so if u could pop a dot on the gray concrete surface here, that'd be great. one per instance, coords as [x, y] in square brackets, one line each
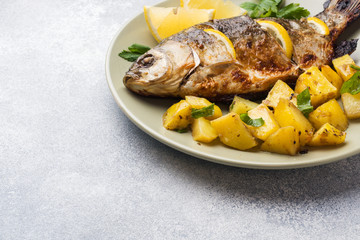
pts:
[72, 166]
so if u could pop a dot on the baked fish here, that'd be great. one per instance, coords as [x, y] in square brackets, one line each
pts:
[193, 62]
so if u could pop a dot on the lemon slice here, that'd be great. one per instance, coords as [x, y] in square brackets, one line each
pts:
[164, 22]
[280, 34]
[222, 37]
[223, 9]
[318, 25]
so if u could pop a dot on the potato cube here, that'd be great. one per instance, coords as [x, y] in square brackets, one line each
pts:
[286, 114]
[202, 130]
[321, 90]
[329, 112]
[198, 103]
[178, 116]
[279, 90]
[270, 125]
[233, 132]
[351, 105]
[242, 105]
[327, 135]
[342, 66]
[332, 77]
[284, 141]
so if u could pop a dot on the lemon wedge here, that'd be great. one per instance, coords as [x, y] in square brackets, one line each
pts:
[164, 22]
[318, 25]
[223, 38]
[280, 34]
[223, 9]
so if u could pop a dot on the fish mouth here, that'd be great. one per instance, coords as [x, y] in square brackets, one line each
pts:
[161, 70]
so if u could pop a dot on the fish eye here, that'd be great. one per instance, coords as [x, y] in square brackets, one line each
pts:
[147, 60]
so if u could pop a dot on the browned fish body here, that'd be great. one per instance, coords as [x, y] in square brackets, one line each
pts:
[194, 62]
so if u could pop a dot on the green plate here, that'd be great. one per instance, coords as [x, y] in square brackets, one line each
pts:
[146, 113]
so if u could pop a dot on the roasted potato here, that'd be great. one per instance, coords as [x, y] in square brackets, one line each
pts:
[351, 105]
[202, 130]
[327, 135]
[241, 105]
[321, 90]
[284, 141]
[329, 112]
[233, 132]
[178, 116]
[279, 90]
[333, 78]
[343, 67]
[198, 102]
[287, 114]
[270, 124]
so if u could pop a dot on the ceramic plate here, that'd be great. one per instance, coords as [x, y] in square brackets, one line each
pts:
[146, 112]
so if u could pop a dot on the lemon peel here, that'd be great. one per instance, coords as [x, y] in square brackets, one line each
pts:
[318, 25]
[280, 34]
[222, 37]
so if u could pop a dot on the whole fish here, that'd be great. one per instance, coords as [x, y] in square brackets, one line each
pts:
[193, 62]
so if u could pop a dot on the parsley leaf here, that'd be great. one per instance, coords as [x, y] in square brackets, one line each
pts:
[258, 122]
[271, 8]
[292, 11]
[352, 85]
[134, 52]
[304, 102]
[203, 112]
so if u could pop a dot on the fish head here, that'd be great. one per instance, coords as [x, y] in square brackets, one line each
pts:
[161, 70]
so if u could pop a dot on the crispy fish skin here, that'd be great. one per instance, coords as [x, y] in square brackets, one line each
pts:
[309, 47]
[194, 62]
[260, 62]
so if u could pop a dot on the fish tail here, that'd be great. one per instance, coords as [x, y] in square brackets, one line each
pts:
[338, 14]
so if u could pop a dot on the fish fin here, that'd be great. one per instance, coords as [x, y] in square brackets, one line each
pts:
[345, 47]
[338, 14]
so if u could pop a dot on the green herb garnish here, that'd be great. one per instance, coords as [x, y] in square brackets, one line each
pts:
[134, 52]
[203, 112]
[184, 130]
[304, 102]
[271, 8]
[352, 85]
[292, 11]
[258, 122]
[355, 67]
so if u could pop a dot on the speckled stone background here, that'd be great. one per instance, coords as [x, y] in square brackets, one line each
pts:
[72, 166]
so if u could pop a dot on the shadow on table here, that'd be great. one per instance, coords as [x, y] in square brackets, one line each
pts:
[295, 185]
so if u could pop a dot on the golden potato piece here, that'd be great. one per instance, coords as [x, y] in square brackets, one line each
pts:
[321, 90]
[329, 112]
[327, 135]
[178, 116]
[242, 105]
[279, 90]
[333, 78]
[202, 130]
[198, 103]
[284, 141]
[286, 114]
[233, 132]
[351, 105]
[270, 124]
[343, 67]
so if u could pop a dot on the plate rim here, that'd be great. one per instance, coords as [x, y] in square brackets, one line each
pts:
[195, 153]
